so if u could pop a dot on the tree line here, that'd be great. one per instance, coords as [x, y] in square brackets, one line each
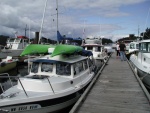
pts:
[143, 36]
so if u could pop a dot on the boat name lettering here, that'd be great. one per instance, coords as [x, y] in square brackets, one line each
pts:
[23, 108]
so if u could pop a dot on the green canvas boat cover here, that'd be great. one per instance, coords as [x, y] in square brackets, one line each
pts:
[66, 49]
[36, 49]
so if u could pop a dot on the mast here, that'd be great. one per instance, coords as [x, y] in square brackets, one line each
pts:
[25, 30]
[57, 19]
[42, 22]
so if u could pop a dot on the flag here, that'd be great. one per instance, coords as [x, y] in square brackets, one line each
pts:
[59, 37]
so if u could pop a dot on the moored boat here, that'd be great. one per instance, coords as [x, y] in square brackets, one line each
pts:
[55, 82]
[95, 46]
[7, 64]
[141, 62]
[14, 47]
[133, 48]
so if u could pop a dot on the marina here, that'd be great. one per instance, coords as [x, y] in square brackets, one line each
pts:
[113, 89]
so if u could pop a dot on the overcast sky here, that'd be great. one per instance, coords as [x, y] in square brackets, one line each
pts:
[111, 19]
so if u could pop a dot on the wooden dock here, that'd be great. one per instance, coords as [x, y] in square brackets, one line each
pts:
[116, 90]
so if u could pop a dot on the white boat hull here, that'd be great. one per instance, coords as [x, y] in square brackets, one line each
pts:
[10, 52]
[45, 106]
[142, 69]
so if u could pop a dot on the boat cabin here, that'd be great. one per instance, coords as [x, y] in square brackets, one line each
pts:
[144, 46]
[97, 50]
[16, 43]
[133, 46]
[68, 67]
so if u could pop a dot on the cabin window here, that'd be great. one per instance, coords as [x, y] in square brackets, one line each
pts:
[148, 47]
[85, 64]
[34, 68]
[89, 48]
[17, 40]
[137, 46]
[63, 69]
[11, 40]
[78, 67]
[143, 47]
[46, 67]
[99, 48]
[132, 46]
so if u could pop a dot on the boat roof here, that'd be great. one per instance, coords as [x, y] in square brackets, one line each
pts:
[60, 59]
[134, 42]
[88, 45]
[145, 40]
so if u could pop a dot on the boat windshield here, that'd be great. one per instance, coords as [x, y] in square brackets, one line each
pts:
[78, 67]
[98, 49]
[17, 40]
[145, 47]
[63, 69]
[10, 40]
[89, 48]
[137, 46]
[46, 67]
[35, 67]
[134, 46]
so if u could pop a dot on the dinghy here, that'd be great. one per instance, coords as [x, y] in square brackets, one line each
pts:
[7, 64]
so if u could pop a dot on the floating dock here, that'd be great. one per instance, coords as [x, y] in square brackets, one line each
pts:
[115, 89]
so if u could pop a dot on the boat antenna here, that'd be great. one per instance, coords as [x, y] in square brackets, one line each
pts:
[26, 30]
[42, 22]
[138, 30]
[83, 29]
[16, 34]
[29, 31]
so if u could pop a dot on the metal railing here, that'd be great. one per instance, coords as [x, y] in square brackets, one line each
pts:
[18, 78]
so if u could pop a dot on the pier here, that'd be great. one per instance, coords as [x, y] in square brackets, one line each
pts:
[115, 89]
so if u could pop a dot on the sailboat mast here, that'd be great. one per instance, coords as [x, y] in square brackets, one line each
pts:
[57, 19]
[42, 22]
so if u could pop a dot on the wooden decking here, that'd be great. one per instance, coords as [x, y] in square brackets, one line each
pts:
[116, 91]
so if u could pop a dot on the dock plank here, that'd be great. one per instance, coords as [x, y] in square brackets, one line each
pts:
[116, 91]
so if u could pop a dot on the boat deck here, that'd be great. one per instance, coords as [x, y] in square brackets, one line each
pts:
[116, 90]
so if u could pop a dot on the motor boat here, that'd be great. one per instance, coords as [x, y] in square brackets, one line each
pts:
[141, 62]
[95, 46]
[55, 81]
[133, 47]
[14, 47]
